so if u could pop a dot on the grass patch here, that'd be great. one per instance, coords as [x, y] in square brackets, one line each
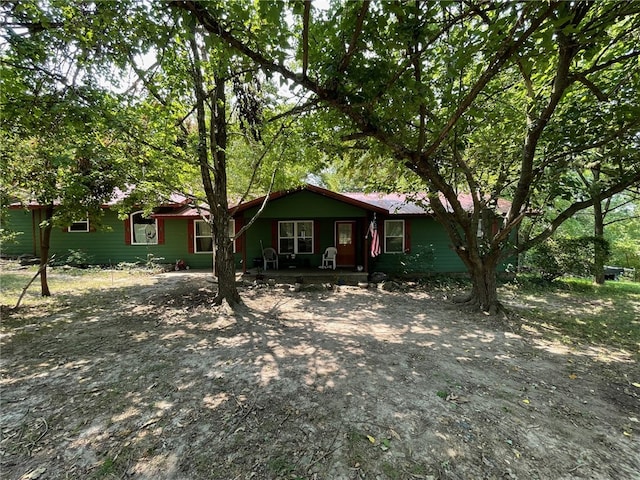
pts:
[573, 309]
[64, 282]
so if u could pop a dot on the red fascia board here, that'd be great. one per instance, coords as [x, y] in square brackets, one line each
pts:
[185, 212]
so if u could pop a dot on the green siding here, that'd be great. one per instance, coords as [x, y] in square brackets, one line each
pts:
[430, 247]
[303, 205]
[20, 221]
[430, 251]
[106, 245]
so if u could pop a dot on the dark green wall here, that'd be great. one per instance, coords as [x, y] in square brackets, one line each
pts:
[106, 245]
[20, 221]
[303, 205]
[430, 249]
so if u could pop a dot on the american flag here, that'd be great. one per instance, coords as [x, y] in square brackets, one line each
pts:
[375, 239]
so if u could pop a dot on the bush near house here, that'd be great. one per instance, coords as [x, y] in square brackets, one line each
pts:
[565, 256]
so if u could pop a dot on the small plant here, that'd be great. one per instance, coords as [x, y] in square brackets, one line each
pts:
[76, 258]
[281, 466]
[106, 469]
[152, 262]
[419, 260]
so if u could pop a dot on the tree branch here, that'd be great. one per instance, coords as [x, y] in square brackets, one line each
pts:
[613, 61]
[507, 50]
[566, 52]
[625, 219]
[362, 13]
[576, 207]
[592, 87]
[305, 37]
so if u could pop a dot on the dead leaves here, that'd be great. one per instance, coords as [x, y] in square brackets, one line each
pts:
[453, 398]
[34, 474]
[384, 443]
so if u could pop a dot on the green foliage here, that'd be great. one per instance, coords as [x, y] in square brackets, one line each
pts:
[557, 257]
[74, 258]
[499, 100]
[151, 262]
[621, 228]
[8, 236]
[58, 145]
[419, 260]
[624, 237]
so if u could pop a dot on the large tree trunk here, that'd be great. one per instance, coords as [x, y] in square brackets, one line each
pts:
[225, 265]
[214, 174]
[225, 268]
[484, 290]
[44, 251]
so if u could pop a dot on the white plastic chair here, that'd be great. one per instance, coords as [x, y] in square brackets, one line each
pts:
[329, 258]
[270, 256]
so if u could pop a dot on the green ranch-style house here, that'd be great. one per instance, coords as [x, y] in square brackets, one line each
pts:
[299, 224]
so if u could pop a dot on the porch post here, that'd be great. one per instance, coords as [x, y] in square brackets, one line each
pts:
[365, 251]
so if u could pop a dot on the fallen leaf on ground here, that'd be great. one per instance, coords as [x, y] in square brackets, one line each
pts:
[34, 474]
[456, 399]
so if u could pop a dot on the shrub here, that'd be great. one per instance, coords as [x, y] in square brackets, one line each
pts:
[74, 258]
[566, 256]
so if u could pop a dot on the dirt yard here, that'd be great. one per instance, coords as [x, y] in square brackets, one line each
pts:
[143, 378]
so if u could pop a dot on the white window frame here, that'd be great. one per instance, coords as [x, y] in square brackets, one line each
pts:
[84, 222]
[196, 236]
[154, 239]
[296, 237]
[387, 236]
[231, 233]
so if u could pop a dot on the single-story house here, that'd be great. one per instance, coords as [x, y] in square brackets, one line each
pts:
[299, 224]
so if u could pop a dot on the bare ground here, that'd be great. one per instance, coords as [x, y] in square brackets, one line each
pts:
[145, 379]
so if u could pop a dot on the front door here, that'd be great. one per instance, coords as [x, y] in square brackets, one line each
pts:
[345, 242]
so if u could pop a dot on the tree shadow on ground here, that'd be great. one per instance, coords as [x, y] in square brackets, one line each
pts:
[156, 382]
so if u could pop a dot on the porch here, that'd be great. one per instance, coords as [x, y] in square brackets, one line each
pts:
[339, 276]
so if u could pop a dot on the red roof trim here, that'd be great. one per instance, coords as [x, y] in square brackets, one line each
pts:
[397, 205]
[184, 212]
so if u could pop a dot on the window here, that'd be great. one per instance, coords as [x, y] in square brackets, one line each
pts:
[203, 235]
[232, 232]
[80, 226]
[393, 236]
[144, 231]
[295, 237]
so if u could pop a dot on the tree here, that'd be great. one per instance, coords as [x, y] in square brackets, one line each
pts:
[609, 229]
[173, 118]
[475, 96]
[57, 149]
[198, 100]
